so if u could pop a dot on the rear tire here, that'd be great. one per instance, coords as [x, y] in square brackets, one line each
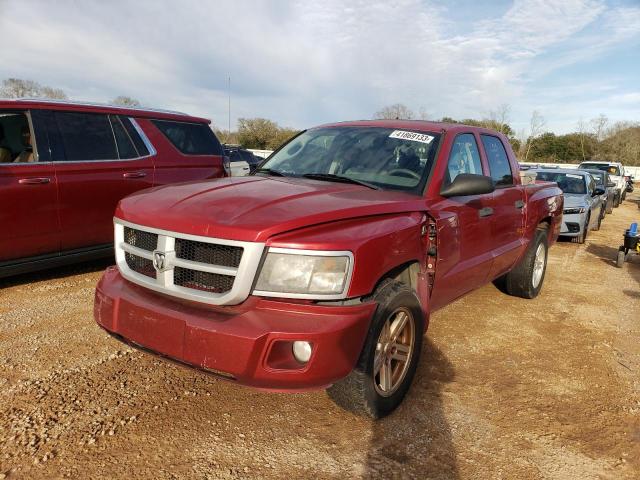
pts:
[364, 392]
[600, 216]
[526, 278]
[609, 206]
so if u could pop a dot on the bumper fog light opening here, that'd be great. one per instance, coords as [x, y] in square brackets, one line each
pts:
[302, 351]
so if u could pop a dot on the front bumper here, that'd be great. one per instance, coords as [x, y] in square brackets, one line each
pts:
[249, 343]
[572, 224]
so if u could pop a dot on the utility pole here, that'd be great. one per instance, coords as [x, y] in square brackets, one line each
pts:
[229, 91]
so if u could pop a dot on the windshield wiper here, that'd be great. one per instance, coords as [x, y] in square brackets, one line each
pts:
[269, 171]
[330, 177]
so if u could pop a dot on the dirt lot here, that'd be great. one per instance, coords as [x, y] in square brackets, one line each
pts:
[507, 388]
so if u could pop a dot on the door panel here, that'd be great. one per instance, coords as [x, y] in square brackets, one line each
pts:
[91, 177]
[28, 199]
[464, 247]
[28, 211]
[508, 203]
[507, 228]
[89, 193]
[464, 229]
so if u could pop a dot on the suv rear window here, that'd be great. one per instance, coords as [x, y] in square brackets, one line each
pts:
[605, 167]
[190, 138]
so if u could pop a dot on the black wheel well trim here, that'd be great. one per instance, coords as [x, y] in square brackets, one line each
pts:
[407, 270]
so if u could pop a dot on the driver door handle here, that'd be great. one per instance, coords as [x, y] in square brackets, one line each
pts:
[519, 204]
[34, 180]
[134, 174]
[485, 212]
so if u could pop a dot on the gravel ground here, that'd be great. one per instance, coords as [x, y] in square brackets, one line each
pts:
[506, 388]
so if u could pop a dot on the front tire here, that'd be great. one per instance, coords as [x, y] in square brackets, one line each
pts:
[526, 278]
[389, 357]
[585, 231]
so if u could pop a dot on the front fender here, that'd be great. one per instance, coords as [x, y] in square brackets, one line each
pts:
[379, 244]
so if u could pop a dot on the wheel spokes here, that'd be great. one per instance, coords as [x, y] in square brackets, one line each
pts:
[401, 352]
[385, 376]
[398, 325]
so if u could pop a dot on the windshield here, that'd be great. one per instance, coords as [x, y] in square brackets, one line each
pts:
[598, 177]
[568, 182]
[385, 158]
[605, 167]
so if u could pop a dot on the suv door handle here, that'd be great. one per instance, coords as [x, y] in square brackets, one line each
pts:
[34, 180]
[485, 212]
[134, 174]
[519, 204]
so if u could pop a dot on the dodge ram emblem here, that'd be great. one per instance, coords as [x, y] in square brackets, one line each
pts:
[159, 261]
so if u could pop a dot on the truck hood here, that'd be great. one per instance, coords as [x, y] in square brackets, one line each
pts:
[255, 208]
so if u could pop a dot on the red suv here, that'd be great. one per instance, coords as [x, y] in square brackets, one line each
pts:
[64, 166]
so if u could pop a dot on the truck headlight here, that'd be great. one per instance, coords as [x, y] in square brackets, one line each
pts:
[305, 274]
[571, 211]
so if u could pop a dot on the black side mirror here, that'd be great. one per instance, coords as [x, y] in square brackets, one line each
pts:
[598, 191]
[468, 184]
[611, 184]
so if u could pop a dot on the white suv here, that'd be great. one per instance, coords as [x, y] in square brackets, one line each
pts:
[616, 175]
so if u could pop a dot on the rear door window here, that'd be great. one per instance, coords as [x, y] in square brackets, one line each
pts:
[134, 135]
[190, 138]
[498, 161]
[126, 148]
[85, 137]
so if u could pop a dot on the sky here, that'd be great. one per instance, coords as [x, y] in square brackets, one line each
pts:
[303, 63]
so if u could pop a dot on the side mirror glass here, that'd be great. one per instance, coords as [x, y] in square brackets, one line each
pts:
[598, 191]
[468, 184]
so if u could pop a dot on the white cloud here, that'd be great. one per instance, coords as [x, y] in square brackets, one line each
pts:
[302, 63]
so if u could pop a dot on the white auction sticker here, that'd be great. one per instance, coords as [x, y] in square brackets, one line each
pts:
[413, 136]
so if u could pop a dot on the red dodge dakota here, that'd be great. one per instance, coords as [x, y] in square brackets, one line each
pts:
[321, 269]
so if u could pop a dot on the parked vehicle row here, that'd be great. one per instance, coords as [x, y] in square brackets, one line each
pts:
[591, 191]
[64, 166]
[584, 201]
[616, 173]
[241, 161]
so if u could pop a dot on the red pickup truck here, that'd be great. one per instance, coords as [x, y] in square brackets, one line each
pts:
[322, 268]
[65, 165]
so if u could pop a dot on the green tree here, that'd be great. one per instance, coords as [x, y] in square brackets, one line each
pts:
[262, 134]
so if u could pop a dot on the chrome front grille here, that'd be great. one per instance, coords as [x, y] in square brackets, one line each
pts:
[209, 270]
[205, 281]
[212, 253]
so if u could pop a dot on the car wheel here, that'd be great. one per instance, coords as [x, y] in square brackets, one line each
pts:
[389, 357]
[609, 206]
[597, 227]
[620, 259]
[624, 195]
[616, 201]
[526, 278]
